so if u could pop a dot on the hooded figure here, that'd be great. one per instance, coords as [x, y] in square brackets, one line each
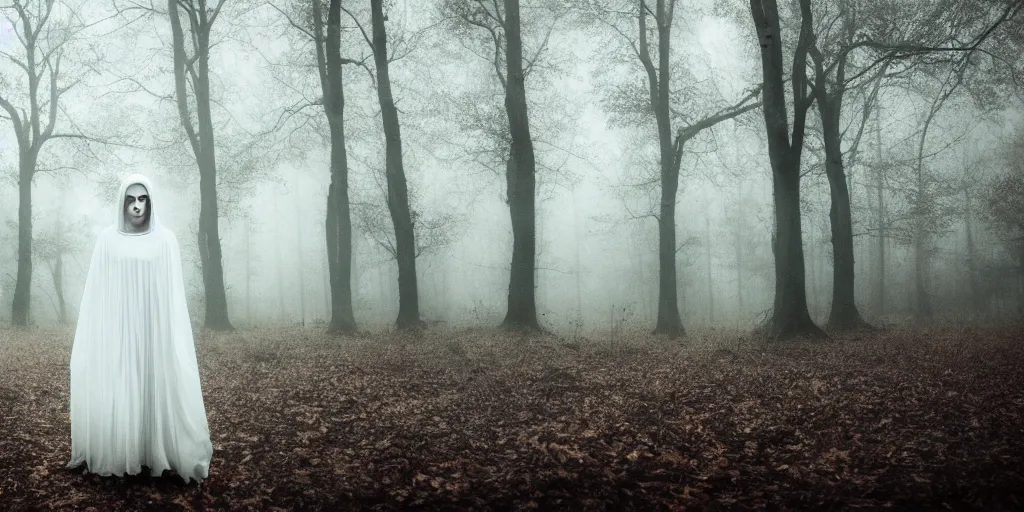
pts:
[135, 393]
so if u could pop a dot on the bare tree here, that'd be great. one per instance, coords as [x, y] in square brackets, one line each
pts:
[46, 34]
[790, 316]
[319, 25]
[522, 306]
[339, 216]
[515, 140]
[398, 194]
[192, 73]
[830, 88]
[676, 126]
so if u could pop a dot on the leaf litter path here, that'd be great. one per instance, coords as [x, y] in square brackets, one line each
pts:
[481, 420]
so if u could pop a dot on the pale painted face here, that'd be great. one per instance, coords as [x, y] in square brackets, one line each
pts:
[136, 208]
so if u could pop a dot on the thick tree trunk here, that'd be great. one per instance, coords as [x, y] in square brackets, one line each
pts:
[398, 195]
[22, 287]
[790, 316]
[210, 253]
[522, 307]
[339, 218]
[669, 321]
[339, 238]
[844, 314]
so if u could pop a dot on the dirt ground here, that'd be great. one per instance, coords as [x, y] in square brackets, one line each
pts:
[900, 420]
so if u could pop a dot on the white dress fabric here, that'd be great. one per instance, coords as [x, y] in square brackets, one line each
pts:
[136, 398]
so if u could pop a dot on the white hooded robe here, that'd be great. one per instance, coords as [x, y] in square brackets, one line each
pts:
[135, 392]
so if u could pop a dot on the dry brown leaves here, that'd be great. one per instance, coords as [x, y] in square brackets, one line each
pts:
[484, 420]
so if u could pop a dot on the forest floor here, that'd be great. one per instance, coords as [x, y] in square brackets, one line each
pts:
[900, 420]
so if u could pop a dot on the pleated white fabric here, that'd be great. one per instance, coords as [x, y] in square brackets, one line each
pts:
[136, 398]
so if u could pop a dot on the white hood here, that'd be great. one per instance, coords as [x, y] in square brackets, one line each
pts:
[119, 203]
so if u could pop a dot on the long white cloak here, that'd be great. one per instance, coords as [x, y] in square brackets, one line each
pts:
[136, 398]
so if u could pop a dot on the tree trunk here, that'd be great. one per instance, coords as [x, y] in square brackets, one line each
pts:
[248, 274]
[210, 253]
[539, 251]
[737, 244]
[790, 316]
[881, 215]
[299, 253]
[972, 264]
[844, 314]
[711, 290]
[58, 285]
[58, 273]
[279, 263]
[669, 321]
[202, 142]
[671, 151]
[338, 222]
[812, 273]
[924, 307]
[23, 285]
[398, 195]
[522, 307]
[577, 230]
[1020, 282]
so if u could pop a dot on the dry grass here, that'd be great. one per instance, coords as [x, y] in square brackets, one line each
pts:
[487, 420]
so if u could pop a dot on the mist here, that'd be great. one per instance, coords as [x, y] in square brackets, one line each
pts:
[596, 148]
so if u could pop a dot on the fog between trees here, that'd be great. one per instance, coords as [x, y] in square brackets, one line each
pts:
[550, 142]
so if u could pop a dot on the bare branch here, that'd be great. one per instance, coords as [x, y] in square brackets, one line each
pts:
[292, 22]
[360, 26]
[497, 46]
[543, 45]
[179, 76]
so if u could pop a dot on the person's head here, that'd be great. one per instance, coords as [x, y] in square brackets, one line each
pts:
[137, 208]
[134, 206]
